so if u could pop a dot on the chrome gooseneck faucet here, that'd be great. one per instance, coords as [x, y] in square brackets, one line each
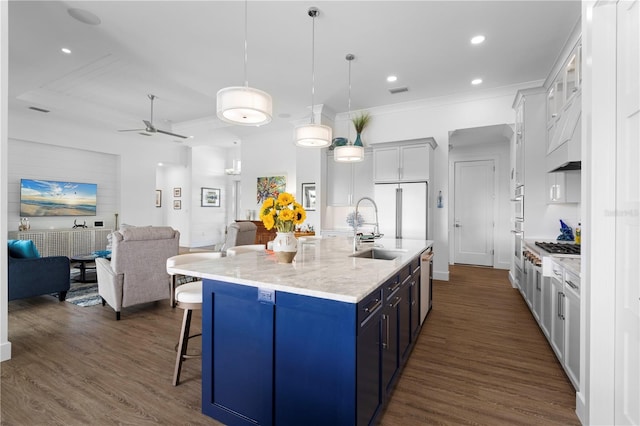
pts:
[357, 238]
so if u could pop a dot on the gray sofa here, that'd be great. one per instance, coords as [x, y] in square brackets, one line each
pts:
[137, 272]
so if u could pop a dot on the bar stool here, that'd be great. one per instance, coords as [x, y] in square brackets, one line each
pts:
[188, 297]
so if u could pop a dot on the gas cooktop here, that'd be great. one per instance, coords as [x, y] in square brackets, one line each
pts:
[559, 248]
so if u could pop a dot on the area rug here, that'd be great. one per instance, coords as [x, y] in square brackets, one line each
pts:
[83, 294]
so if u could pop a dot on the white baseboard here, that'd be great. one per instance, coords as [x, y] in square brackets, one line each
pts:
[5, 351]
[442, 276]
[581, 408]
[512, 280]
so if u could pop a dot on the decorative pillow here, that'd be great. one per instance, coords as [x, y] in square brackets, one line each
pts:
[23, 249]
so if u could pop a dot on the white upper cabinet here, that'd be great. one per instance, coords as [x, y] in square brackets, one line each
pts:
[563, 187]
[348, 182]
[564, 87]
[408, 162]
[563, 102]
[518, 164]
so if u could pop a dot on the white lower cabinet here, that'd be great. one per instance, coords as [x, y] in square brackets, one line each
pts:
[555, 304]
[536, 288]
[546, 307]
[572, 327]
[557, 320]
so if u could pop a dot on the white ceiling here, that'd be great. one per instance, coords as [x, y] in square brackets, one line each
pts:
[185, 51]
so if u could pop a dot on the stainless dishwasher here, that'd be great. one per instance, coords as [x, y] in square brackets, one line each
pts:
[426, 283]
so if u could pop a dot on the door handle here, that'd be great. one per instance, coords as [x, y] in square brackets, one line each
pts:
[457, 225]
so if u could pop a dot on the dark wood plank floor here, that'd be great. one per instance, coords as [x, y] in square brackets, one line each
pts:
[480, 359]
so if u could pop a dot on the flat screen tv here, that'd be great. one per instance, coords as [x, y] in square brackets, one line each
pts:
[53, 198]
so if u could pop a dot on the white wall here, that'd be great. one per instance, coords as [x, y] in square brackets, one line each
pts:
[268, 154]
[207, 170]
[5, 345]
[32, 160]
[309, 170]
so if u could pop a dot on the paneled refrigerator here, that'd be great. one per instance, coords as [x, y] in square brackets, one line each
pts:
[403, 209]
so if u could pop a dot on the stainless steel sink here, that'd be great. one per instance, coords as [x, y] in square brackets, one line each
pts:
[378, 253]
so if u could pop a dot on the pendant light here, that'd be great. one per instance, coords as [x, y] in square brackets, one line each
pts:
[349, 153]
[313, 135]
[244, 105]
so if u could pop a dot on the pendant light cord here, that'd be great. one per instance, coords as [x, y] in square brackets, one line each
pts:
[246, 80]
[349, 58]
[313, 71]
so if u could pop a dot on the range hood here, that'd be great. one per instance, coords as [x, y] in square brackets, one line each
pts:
[571, 165]
[565, 144]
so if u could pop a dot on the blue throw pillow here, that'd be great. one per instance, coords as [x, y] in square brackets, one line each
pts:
[23, 249]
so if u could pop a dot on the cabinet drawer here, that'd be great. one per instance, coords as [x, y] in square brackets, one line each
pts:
[556, 270]
[572, 281]
[369, 306]
[391, 286]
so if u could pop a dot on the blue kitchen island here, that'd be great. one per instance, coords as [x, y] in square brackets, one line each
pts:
[320, 341]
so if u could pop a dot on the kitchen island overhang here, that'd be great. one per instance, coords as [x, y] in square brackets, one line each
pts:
[302, 343]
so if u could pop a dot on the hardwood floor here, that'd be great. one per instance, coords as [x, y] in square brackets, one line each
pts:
[480, 359]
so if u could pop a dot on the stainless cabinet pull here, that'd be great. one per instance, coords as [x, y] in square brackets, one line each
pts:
[572, 285]
[558, 307]
[562, 306]
[375, 305]
[398, 299]
[394, 288]
[385, 343]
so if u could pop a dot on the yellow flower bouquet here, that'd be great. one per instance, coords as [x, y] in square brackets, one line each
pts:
[284, 213]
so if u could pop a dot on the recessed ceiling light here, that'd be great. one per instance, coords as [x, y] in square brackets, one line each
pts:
[66, 51]
[478, 39]
[392, 78]
[476, 81]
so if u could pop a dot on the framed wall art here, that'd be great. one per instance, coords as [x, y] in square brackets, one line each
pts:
[177, 204]
[270, 187]
[177, 192]
[210, 197]
[309, 196]
[158, 198]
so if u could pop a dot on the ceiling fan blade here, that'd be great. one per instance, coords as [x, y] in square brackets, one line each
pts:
[150, 127]
[170, 134]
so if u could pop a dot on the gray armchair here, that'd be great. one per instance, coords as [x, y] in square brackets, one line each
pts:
[137, 271]
[240, 234]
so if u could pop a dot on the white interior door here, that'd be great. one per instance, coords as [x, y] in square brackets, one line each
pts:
[473, 212]
[627, 335]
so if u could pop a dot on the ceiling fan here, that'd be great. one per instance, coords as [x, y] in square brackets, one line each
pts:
[150, 128]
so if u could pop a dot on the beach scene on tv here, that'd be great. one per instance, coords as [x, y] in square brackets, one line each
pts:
[53, 198]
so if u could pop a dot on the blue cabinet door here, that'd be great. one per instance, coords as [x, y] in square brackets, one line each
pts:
[404, 319]
[237, 355]
[369, 397]
[315, 361]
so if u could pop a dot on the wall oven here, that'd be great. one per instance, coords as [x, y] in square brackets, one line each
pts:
[518, 204]
[518, 247]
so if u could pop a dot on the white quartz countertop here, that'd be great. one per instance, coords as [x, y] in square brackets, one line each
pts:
[570, 262]
[322, 268]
